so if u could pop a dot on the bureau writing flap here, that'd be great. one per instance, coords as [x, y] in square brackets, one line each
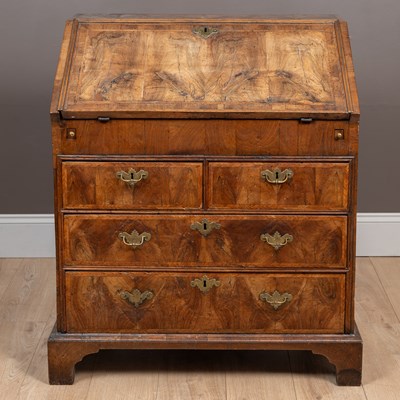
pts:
[127, 67]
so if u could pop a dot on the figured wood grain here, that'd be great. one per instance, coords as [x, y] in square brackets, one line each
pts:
[175, 97]
[314, 186]
[251, 67]
[177, 306]
[93, 240]
[208, 137]
[94, 185]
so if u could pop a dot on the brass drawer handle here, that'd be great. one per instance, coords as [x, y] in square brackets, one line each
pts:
[277, 176]
[132, 177]
[205, 226]
[277, 240]
[134, 239]
[135, 296]
[204, 284]
[275, 299]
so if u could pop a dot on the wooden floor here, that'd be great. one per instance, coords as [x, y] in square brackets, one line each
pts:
[27, 315]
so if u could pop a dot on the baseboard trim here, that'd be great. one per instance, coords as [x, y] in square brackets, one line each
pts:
[378, 234]
[27, 235]
[32, 235]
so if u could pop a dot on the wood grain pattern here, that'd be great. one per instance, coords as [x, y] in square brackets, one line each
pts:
[176, 306]
[93, 240]
[314, 186]
[258, 92]
[207, 137]
[259, 67]
[94, 185]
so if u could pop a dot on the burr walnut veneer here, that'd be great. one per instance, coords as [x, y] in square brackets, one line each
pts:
[205, 187]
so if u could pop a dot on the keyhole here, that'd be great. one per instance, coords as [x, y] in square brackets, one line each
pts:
[131, 175]
[204, 283]
[276, 175]
[205, 226]
[205, 29]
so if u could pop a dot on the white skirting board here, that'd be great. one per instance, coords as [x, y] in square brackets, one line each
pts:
[26, 235]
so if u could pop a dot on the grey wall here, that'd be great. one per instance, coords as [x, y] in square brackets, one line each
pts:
[30, 37]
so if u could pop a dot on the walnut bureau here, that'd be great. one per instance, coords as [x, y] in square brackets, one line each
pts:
[205, 187]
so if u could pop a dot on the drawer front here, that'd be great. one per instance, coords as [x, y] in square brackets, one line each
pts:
[132, 185]
[279, 186]
[205, 240]
[182, 302]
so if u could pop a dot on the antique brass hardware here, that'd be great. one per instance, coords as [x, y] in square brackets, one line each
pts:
[276, 175]
[134, 239]
[276, 240]
[132, 177]
[276, 299]
[136, 297]
[205, 226]
[204, 284]
[205, 31]
[71, 133]
[339, 134]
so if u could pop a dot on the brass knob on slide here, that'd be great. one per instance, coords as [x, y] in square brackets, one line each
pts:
[132, 177]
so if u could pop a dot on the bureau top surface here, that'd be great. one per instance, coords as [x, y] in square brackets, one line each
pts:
[205, 67]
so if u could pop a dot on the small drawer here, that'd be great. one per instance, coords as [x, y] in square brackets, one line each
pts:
[289, 186]
[132, 185]
[199, 303]
[193, 241]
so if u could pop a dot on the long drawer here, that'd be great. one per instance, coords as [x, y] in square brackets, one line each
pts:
[194, 302]
[298, 186]
[193, 241]
[132, 185]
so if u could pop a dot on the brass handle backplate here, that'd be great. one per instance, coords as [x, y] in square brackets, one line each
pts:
[204, 284]
[205, 226]
[205, 31]
[275, 299]
[132, 177]
[277, 176]
[277, 240]
[135, 296]
[134, 239]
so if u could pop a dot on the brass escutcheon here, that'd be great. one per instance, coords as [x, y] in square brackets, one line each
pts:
[276, 176]
[134, 239]
[205, 31]
[277, 240]
[205, 226]
[132, 177]
[135, 296]
[275, 299]
[204, 284]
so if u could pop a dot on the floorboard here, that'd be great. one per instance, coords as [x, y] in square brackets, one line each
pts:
[27, 314]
